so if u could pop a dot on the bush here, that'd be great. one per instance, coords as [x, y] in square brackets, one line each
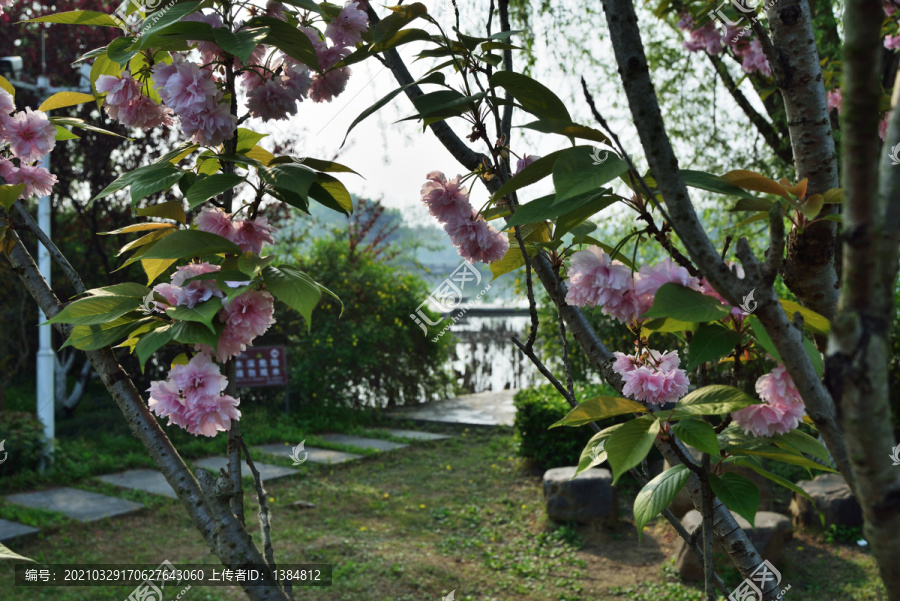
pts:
[538, 408]
[23, 434]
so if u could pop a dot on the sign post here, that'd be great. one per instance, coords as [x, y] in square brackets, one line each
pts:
[262, 366]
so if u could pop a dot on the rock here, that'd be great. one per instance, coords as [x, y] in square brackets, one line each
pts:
[832, 497]
[588, 498]
[303, 505]
[769, 536]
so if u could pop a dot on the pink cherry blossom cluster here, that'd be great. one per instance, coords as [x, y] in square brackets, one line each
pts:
[834, 99]
[596, 280]
[782, 408]
[249, 234]
[26, 136]
[475, 238]
[192, 398]
[126, 103]
[710, 39]
[652, 377]
[5, 4]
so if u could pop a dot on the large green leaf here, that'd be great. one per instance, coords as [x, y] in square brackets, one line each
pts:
[286, 38]
[330, 192]
[599, 408]
[737, 493]
[152, 341]
[202, 313]
[167, 210]
[241, 43]
[546, 207]
[536, 98]
[812, 321]
[182, 244]
[96, 310]
[533, 173]
[64, 99]
[801, 442]
[785, 457]
[685, 304]
[658, 494]
[161, 19]
[713, 183]
[127, 179]
[759, 332]
[629, 444]
[292, 177]
[131, 289]
[576, 173]
[710, 342]
[401, 16]
[294, 288]
[98, 336]
[211, 186]
[743, 461]
[697, 433]
[569, 129]
[78, 17]
[191, 332]
[9, 194]
[714, 400]
[155, 181]
[592, 455]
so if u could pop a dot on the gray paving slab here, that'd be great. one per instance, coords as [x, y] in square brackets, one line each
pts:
[363, 443]
[150, 481]
[77, 504]
[492, 408]
[414, 434]
[14, 531]
[266, 471]
[314, 455]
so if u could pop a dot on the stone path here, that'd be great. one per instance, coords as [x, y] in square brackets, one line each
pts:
[314, 455]
[482, 409]
[87, 506]
[77, 504]
[363, 443]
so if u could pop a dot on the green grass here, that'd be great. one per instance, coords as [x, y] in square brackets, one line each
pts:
[401, 526]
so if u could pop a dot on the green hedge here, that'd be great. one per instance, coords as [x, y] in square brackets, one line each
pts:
[23, 437]
[538, 408]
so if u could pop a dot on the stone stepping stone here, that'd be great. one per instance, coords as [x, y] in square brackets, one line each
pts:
[313, 455]
[77, 504]
[267, 471]
[150, 481]
[414, 435]
[363, 443]
[13, 531]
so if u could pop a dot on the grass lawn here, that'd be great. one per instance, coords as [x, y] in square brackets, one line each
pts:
[462, 514]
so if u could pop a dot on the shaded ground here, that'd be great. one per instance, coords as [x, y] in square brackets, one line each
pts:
[459, 514]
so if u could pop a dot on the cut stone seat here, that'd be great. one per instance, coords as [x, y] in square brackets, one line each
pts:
[414, 434]
[832, 497]
[769, 537]
[16, 532]
[314, 455]
[363, 443]
[77, 504]
[587, 498]
[266, 471]
[150, 481]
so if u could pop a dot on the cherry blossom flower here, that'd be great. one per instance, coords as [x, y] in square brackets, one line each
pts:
[653, 377]
[782, 408]
[119, 92]
[207, 416]
[597, 281]
[753, 60]
[272, 100]
[252, 234]
[651, 277]
[446, 200]
[211, 127]
[705, 38]
[883, 126]
[525, 161]
[143, 113]
[346, 29]
[191, 293]
[185, 88]
[476, 240]
[685, 22]
[209, 51]
[296, 78]
[200, 377]
[38, 181]
[7, 106]
[215, 221]
[5, 4]
[245, 317]
[166, 401]
[30, 135]
[892, 42]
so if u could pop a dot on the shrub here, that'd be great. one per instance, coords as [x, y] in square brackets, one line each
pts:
[23, 434]
[538, 408]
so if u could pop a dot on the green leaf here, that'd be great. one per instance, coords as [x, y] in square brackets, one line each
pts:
[401, 16]
[759, 332]
[96, 310]
[699, 434]
[684, 304]
[812, 321]
[294, 288]
[152, 341]
[713, 183]
[161, 19]
[629, 444]
[567, 128]
[241, 43]
[786, 457]
[442, 104]
[210, 187]
[191, 332]
[576, 221]
[10, 193]
[166, 210]
[599, 408]
[64, 99]
[801, 442]
[714, 400]
[667, 324]
[251, 263]
[120, 50]
[533, 173]
[6, 554]
[658, 494]
[546, 207]
[737, 493]
[63, 134]
[814, 356]
[323, 165]
[190, 243]
[534, 97]
[575, 173]
[292, 177]
[80, 124]
[286, 38]
[743, 461]
[201, 313]
[759, 205]
[126, 179]
[247, 139]
[710, 343]
[512, 260]
[592, 455]
[78, 17]
[404, 36]
[95, 337]
[155, 181]
[129, 289]
[330, 192]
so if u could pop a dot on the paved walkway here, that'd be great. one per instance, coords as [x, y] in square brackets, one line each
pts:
[87, 506]
[482, 409]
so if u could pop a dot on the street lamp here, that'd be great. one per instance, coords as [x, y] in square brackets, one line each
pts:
[11, 67]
